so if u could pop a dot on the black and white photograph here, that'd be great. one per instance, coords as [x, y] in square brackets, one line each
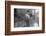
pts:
[26, 17]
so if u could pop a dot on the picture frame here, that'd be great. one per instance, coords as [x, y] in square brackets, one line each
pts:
[10, 17]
